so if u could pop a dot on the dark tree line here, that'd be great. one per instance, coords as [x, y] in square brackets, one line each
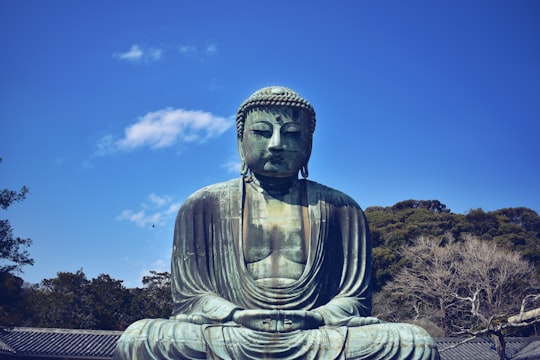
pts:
[72, 301]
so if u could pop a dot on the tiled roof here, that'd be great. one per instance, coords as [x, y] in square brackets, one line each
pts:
[482, 348]
[75, 344]
[100, 344]
[531, 351]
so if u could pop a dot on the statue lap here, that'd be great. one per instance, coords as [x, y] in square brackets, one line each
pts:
[173, 339]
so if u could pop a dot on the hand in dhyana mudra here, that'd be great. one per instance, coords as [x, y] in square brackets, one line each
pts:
[278, 320]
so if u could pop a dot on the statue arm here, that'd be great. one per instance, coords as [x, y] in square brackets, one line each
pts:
[196, 284]
[344, 312]
[206, 309]
[351, 304]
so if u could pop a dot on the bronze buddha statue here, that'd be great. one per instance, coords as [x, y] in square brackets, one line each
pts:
[270, 266]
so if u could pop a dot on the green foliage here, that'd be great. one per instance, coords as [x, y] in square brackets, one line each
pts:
[11, 294]
[395, 227]
[109, 301]
[66, 302]
[155, 299]
[72, 301]
[13, 256]
[7, 197]
[13, 250]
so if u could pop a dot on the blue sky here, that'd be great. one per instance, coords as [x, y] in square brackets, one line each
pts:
[113, 112]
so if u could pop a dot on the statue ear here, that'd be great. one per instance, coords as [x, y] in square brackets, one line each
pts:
[243, 166]
[240, 151]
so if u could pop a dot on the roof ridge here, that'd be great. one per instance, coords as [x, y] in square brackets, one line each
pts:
[66, 331]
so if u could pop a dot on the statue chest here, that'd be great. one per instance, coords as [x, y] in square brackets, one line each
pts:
[275, 245]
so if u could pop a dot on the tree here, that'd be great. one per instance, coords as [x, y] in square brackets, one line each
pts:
[11, 295]
[426, 286]
[65, 302]
[72, 301]
[109, 303]
[155, 299]
[469, 286]
[13, 256]
[13, 250]
[395, 227]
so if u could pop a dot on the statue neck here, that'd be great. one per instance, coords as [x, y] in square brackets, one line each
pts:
[275, 185]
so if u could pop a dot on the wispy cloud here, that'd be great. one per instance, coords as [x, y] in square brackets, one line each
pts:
[142, 268]
[161, 265]
[201, 53]
[188, 50]
[139, 54]
[165, 128]
[142, 54]
[155, 212]
[211, 49]
[232, 166]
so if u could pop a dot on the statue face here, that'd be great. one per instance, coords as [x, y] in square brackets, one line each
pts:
[276, 141]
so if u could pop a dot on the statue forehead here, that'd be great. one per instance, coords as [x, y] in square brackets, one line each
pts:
[275, 112]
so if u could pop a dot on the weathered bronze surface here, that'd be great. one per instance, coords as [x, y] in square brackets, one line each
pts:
[270, 266]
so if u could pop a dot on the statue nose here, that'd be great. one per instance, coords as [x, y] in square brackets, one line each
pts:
[276, 142]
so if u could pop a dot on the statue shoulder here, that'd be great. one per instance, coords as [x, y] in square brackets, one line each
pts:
[214, 192]
[330, 195]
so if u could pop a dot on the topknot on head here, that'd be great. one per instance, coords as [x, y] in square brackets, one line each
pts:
[273, 96]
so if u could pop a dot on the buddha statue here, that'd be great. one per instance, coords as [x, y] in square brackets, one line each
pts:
[270, 266]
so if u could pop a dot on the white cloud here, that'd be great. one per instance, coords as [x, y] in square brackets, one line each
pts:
[211, 49]
[159, 200]
[154, 54]
[105, 146]
[140, 218]
[232, 166]
[188, 50]
[199, 53]
[165, 128]
[142, 54]
[138, 54]
[160, 209]
[160, 265]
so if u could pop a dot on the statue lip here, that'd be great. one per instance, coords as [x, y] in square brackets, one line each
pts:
[274, 157]
[280, 155]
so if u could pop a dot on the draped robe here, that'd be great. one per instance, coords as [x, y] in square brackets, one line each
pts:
[210, 280]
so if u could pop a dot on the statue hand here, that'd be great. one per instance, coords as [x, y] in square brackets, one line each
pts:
[292, 320]
[362, 321]
[194, 319]
[260, 320]
[278, 320]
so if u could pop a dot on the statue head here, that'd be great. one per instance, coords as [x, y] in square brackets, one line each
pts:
[275, 130]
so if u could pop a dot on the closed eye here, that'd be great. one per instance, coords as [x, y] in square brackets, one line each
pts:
[292, 131]
[262, 128]
[263, 133]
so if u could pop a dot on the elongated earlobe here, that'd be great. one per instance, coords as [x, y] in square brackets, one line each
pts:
[304, 171]
[244, 168]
